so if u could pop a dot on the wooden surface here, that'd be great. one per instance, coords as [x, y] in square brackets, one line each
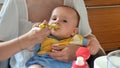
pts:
[105, 24]
[102, 2]
[104, 17]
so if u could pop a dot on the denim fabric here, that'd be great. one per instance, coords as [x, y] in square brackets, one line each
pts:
[47, 62]
[4, 64]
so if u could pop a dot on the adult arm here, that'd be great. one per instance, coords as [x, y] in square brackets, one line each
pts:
[26, 41]
[94, 45]
[68, 53]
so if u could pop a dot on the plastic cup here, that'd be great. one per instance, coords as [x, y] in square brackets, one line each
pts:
[113, 59]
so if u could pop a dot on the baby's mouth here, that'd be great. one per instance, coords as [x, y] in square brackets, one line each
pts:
[53, 26]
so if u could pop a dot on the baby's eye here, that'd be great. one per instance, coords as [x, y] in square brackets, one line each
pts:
[65, 21]
[54, 18]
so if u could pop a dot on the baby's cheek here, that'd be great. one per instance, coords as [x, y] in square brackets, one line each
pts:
[68, 34]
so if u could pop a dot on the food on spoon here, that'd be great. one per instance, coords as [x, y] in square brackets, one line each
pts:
[54, 26]
[43, 25]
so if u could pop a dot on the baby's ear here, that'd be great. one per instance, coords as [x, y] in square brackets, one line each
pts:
[75, 31]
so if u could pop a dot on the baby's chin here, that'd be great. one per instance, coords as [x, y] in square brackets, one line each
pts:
[59, 35]
[55, 33]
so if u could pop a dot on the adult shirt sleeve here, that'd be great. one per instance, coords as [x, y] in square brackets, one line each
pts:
[84, 27]
[8, 20]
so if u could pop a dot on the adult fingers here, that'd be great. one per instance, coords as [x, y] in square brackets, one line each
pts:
[94, 46]
[58, 48]
[57, 55]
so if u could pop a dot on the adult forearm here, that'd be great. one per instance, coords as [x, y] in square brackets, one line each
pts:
[94, 45]
[26, 41]
[9, 48]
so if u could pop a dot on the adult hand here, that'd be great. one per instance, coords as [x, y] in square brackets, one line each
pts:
[93, 45]
[64, 53]
[26, 41]
[34, 36]
[68, 53]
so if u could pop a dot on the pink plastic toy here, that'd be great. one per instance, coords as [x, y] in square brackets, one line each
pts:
[82, 54]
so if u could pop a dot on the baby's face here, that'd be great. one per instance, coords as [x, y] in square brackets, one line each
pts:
[66, 19]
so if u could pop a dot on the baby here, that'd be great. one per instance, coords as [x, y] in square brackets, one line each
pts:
[66, 21]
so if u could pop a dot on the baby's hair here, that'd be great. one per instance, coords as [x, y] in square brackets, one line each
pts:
[78, 16]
